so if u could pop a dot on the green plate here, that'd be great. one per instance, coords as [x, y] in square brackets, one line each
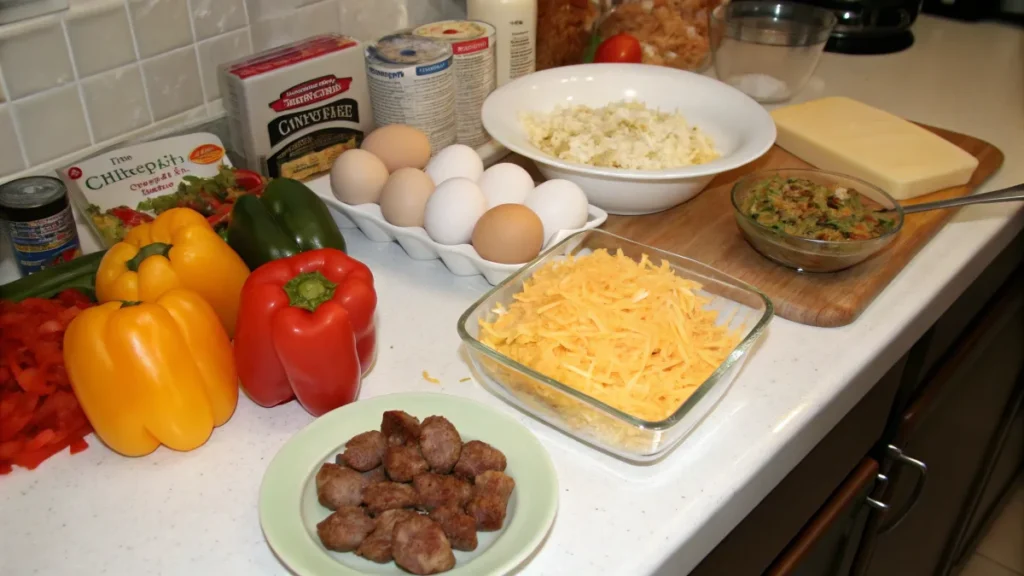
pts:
[289, 510]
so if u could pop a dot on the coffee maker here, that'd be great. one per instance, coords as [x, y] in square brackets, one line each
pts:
[870, 26]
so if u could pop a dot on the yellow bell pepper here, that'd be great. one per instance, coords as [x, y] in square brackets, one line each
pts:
[178, 249]
[152, 373]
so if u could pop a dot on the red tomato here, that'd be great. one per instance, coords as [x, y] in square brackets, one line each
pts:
[620, 48]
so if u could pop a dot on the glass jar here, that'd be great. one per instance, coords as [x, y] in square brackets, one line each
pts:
[564, 29]
[671, 32]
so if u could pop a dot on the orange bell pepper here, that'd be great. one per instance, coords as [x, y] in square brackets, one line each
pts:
[178, 249]
[152, 373]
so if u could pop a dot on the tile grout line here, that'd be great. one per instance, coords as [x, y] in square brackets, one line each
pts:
[138, 62]
[78, 80]
[997, 562]
[1017, 492]
[195, 51]
[248, 29]
[25, 164]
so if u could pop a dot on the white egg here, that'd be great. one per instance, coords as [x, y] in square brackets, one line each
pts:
[452, 211]
[505, 183]
[455, 161]
[561, 205]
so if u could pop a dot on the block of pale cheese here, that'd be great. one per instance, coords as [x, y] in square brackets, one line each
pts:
[847, 136]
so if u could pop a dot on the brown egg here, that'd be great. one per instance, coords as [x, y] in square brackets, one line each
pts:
[399, 146]
[508, 234]
[405, 195]
[357, 177]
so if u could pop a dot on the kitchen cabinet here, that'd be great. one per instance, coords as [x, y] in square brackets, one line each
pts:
[755, 543]
[959, 415]
[827, 542]
[856, 505]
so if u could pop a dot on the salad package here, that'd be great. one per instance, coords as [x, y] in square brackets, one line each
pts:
[120, 189]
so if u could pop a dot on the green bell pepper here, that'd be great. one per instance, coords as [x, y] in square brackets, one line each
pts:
[79, 273]
[287, 219]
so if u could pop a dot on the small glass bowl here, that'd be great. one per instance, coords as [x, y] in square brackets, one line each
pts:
[806, 254]
[741, 307]
[768, 50]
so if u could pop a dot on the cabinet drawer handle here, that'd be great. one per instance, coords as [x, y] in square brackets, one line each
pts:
[922, 476]
[881, 480]
[880, 506]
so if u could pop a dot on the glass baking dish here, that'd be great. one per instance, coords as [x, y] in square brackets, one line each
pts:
[741, 306]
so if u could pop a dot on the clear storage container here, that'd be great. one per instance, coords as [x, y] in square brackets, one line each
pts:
[741, 306]
[672, 33]
[563, 31]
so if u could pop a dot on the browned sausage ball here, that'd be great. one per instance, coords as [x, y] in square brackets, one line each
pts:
[400, 428]
[435, 490]
[377, 546]
[488, 510]
[337, 486]
[440, 443]
[494, 482]
[365, 451]
[388, 496]
[478, 457]
[404, 462]
[345, 529]
[459, 527]
[420, 546]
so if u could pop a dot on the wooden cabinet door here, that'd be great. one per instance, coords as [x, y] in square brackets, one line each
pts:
[950, 426]
[826, 544]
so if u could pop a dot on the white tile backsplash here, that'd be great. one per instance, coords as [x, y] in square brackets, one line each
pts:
[100, 38]
[318, 18]
[298, 22]
[213, 17]
[173, 82]
[11, 160]
[35, 57]
[116, 102]
[216, 51]
[368, 20]
[160, 25]
[52, 124]
[106, 70]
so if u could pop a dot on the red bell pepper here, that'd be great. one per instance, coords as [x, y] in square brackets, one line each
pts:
[305, 330]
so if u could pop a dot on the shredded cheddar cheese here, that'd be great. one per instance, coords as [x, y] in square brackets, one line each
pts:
[633, 335]
[429, 378]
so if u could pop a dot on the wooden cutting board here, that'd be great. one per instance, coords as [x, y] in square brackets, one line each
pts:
[705, 229]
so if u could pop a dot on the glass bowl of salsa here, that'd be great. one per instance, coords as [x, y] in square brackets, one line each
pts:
[814, 221]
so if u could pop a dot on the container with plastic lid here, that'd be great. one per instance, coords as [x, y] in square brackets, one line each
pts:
[37, 219]
[564, 31]
[672, 33]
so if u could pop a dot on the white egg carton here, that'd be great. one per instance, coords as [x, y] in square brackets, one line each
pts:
[461, 259]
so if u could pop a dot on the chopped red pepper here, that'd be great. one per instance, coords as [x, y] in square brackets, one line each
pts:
[131, 218]
[39, 414]
[249, 181]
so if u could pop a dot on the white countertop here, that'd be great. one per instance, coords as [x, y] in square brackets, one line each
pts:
[188, 513]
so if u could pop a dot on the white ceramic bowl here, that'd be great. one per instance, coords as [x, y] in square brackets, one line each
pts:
[741, 128]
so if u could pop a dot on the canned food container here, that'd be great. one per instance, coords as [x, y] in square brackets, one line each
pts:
[412, 83]
[38, 222]
[741, 307]
[474, 68]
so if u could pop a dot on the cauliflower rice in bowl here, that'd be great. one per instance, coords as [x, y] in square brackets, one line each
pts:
[620, 135]
[731, 127]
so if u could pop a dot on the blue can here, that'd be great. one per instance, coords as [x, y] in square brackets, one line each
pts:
[37, 219]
